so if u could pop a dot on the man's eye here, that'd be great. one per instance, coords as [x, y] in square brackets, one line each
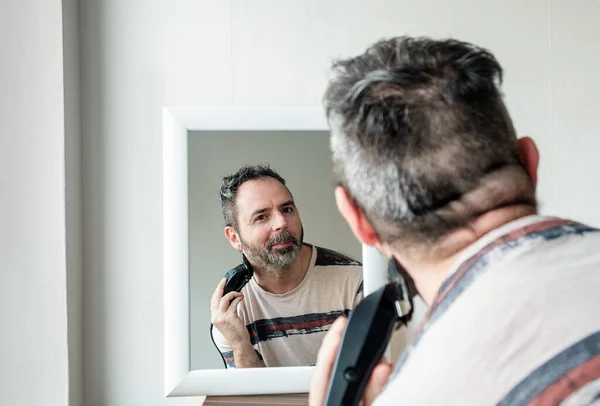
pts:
[260, 218]
[288, 209]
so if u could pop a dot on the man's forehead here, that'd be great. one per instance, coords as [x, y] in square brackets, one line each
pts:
[256, 194]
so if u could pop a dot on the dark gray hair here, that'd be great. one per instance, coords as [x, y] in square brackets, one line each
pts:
[231, 184]
[421, 138]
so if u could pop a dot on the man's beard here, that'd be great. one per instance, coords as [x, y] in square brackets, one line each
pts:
[279, 258]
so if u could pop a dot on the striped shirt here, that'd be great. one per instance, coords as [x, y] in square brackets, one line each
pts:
[287, 329]
[516, 323]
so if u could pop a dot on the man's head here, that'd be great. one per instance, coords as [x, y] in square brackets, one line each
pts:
[261, 218]
[422, 142]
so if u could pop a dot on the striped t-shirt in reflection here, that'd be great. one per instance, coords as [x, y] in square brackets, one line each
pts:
[287, 329]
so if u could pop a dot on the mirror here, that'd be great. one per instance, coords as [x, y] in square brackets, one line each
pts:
[193, 226]
[302, 159]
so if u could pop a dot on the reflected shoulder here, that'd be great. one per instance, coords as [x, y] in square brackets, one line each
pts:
[329, 257]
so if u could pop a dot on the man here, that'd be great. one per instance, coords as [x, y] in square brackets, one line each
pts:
[432, 174]
[297, 291]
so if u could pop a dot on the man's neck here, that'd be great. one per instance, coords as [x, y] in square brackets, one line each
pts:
[430, 271]
[279, 281]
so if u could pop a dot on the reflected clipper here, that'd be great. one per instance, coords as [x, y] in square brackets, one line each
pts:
[369, 329]
[237, 278]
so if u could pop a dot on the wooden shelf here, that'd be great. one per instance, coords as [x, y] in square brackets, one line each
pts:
[283, 400]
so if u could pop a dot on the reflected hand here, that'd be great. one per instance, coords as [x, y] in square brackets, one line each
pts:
[223, 315]
[324, 367]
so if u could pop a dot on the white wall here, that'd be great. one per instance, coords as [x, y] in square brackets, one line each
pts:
[34, 363]
[302, 159]
[138, 56]
[73, 197]
[575, 143]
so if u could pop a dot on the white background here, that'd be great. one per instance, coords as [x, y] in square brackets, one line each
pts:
[137, 56]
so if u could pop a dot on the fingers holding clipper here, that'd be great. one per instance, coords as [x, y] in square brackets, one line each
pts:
[325, 361]
[376, 383]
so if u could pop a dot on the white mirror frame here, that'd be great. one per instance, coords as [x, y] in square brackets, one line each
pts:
[179, 379]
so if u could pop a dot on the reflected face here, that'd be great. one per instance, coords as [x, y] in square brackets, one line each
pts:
[269, 225]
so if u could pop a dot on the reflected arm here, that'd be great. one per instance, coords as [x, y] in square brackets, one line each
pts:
[245, 356]
[237, 356]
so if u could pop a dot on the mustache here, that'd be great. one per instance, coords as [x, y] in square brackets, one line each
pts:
[284, 236]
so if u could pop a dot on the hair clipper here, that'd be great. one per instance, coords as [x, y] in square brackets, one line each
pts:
[238, 277]
[366, 336]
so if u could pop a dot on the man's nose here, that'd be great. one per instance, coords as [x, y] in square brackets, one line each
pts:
[280, 222]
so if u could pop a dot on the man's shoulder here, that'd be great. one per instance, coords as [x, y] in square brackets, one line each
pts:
[329, 257]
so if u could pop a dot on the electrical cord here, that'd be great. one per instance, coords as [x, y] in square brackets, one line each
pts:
[216, 346]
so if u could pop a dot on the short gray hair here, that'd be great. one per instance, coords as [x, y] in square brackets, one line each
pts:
[231, 184]
[418, 130]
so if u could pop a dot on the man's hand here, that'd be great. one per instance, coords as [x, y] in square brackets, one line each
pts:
[223, 315]
[324, 367]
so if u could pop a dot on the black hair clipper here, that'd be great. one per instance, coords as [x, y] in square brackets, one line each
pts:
[238, 277]
[368, 331]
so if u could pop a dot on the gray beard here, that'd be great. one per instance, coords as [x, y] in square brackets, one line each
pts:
[278, 259]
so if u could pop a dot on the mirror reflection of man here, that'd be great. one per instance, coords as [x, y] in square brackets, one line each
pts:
[297, 290]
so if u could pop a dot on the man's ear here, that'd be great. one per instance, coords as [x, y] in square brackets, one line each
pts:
[233, 238]
[530, 157]
[358, 222]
